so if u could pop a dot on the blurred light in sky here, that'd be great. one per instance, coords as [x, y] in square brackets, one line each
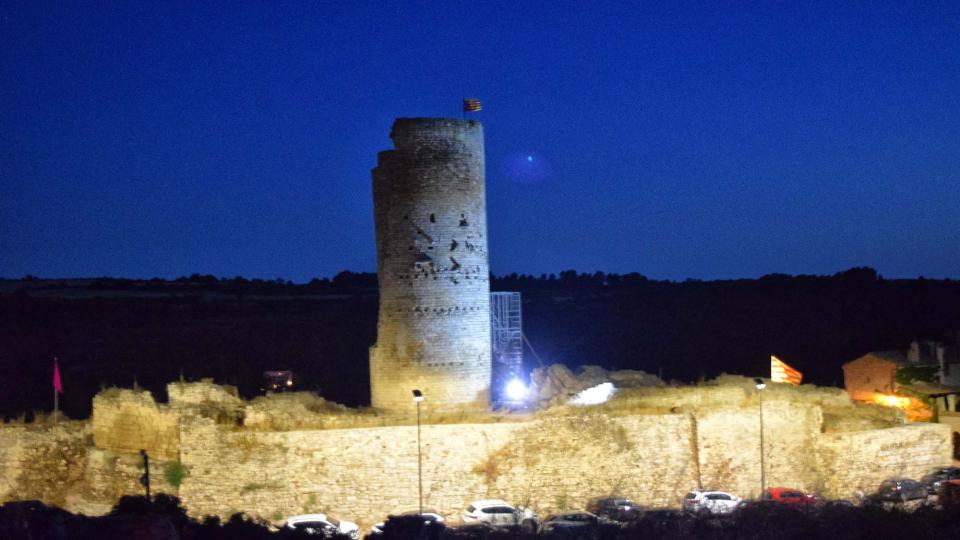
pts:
[526, 166]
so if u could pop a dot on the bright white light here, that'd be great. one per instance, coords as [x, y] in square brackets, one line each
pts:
[516, 391]
[594, 395]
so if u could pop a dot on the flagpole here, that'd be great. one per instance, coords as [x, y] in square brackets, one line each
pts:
[56, 391]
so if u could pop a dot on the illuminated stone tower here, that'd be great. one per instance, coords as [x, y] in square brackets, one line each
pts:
[433, 329]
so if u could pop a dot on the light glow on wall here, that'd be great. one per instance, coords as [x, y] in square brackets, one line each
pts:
[594, 395]
[892, 401]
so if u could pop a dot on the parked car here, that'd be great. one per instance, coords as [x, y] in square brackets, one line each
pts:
[949, 495]
[427, 518]
[321, 525]
[710, 502]
[500, 514]
[789, 496]
[899, 490]
[571, 525]
[933, 480]
[477, 530]
[614, 508]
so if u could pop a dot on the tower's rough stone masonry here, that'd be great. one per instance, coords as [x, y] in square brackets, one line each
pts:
[433, 330]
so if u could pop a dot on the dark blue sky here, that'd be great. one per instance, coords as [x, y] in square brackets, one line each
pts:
[695, 140]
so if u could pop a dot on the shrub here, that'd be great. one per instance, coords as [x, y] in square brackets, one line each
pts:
[175, 472]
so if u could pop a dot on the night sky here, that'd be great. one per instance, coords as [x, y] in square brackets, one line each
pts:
[698, 140]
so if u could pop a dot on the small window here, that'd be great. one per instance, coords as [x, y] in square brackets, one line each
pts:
[433, 218]
[463, 220]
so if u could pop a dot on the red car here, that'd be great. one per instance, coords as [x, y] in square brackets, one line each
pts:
[789, 496]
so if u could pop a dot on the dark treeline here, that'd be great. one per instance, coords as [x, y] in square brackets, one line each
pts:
[150, 332]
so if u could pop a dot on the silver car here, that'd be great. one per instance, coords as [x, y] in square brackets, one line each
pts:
[711, 502]
[500, 514]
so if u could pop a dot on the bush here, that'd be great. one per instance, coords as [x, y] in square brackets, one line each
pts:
[175, 472]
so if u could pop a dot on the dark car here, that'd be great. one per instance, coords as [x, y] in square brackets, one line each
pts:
[899, 490]
[410, 524]
[571, 525]
[949, 495]
[469, 531]
[933, 480]
[614, 508]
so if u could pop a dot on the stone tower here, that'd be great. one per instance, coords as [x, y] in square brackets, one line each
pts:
[433, 329]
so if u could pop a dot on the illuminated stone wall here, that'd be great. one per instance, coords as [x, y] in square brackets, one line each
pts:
[433, 328]
[550, 461]
[729, 447]
[363, 474]
[854, 463]
[130, 420]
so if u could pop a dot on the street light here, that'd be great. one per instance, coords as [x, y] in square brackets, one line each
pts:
[418, 397]
[760, 386]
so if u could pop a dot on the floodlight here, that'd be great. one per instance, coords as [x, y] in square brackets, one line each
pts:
[417, 395]
[516, 390]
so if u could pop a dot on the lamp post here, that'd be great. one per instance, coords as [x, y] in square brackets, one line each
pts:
[418, 397]
[760, 386]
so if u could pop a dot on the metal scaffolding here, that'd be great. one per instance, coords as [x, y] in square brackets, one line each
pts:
[506, 334]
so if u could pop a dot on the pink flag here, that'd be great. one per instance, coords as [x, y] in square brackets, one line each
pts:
[57, 384]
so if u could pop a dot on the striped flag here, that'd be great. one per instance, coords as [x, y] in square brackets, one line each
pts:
[471, 105]
[781, 372]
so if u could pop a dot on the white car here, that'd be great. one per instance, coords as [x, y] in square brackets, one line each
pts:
[711, 502]
[500, 514]
[321, 525]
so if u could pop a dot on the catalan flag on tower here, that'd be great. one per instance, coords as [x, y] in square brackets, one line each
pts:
[781, 372]
[471, 105]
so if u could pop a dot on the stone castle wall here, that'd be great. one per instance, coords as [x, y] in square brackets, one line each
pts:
[854, 463]
[549, 461]
[433, 328]
[130, 421]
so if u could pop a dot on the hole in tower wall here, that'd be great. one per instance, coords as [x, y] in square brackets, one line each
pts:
[463, 220]
[433, 218]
